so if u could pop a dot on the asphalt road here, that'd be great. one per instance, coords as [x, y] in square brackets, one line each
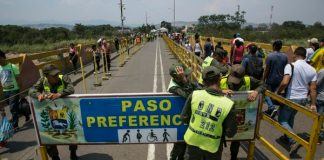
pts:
[146, 71]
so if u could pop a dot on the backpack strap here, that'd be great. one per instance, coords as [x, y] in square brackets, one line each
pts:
[292, 73]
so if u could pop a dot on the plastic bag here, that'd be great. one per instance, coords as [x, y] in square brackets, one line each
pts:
[6, 129]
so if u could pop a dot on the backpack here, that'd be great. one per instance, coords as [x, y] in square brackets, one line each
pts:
[254, 67]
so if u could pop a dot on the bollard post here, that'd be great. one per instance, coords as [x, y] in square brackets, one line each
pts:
[43, 152]
[250, 154]
[60, 56]
[83, 77]
[105, 66]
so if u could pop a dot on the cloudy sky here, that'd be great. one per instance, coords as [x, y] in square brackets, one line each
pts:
[98, 11]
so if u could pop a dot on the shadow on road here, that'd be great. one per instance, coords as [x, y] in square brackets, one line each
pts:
[257, 152]
[287, 148]
[26, 126]
[96, 156]
[14, 146]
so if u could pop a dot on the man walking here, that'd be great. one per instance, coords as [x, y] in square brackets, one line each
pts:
[208, 48]
[273, 73]
[253, 64]
[299, 80]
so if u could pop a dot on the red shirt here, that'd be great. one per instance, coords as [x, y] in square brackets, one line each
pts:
[238, 53]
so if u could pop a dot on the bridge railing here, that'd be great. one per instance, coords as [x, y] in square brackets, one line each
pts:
[190, 60]
[267, 48]
[310, 145]
[31, 64]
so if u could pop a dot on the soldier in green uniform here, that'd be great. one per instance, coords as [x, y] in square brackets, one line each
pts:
[209, 115]
[53, 85]
[180, 84]
[238, 81]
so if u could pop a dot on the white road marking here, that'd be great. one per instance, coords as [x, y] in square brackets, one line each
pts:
[169, 146]
[151, 147]
[162, 73]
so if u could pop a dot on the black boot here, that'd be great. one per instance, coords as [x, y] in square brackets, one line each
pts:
[73, 156]
[55, 158]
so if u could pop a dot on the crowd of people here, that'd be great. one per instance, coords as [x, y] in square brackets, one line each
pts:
[244, 69]
[300, 81]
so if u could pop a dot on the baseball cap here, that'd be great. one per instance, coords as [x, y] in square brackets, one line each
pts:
[313, 40]
[220, 52]
[50, 69]
[210, 72]
[173, 72]
[236, 75]
[238, 39]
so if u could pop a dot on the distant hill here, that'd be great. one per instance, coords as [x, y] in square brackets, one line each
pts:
[184, 23]
[43, 26]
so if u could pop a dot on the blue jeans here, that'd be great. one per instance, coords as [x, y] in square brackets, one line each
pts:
[286, 116]
[267, 99]
[14, 105]
[320, 110]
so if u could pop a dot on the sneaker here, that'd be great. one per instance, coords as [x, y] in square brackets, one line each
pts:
[3, 144]
[284, 140]
[294, 148]
[269, 111]
[94, 72]
[56, 158]
[74, 157]
[27, 118]
[274, 113]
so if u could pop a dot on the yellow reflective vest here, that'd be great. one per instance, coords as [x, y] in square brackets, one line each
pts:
[47, 87]
[206, 124]
[204, 65]
[245, 87]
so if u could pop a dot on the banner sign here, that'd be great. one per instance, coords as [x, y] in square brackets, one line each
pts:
[124, 118]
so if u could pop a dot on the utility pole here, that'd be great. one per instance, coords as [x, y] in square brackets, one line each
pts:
[122, 18]
[174, 12]
[271, 16]
[146, 18]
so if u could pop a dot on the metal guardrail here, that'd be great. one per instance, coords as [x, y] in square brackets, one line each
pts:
[190, 60]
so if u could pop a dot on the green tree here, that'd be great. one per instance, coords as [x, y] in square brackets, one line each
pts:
[79, 30]
[166, 25]
[45, 119]
[72, 120]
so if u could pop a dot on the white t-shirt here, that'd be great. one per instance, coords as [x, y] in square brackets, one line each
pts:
[302, 76]
[309, 53]
[197, 47]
